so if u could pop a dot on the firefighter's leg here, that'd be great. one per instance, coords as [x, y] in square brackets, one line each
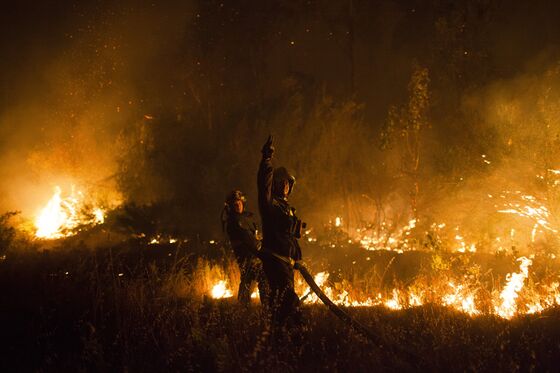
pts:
[244, 293]
[284, 302]
[262, 283]
[290, 312]
[273, 275]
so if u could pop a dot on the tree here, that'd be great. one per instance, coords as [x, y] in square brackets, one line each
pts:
[407, 123]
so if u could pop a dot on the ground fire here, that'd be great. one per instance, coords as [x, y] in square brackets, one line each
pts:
[458, 293]
[511, 298]
[66, 215]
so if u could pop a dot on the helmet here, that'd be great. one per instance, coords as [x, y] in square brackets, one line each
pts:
[280, 175]
[235, 196]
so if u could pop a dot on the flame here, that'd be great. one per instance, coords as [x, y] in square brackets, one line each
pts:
[386, 240]
[457, 293]
[460, 299]
[320, 278]
[159, 239]
[460, 296]
[98, 215]
[465, 293]
[463, 246]
[53, 216]
[551, 298]
[394, 303]
[515, 281]
[62, 216]
[220, 290]
[337, 222]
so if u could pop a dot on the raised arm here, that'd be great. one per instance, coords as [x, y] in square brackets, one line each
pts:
[264, 176]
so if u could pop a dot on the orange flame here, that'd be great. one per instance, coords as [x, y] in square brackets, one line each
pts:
[62, 216]
[220, 290]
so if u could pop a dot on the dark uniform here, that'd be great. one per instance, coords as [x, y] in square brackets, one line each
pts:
[280, 232]
[241, 230]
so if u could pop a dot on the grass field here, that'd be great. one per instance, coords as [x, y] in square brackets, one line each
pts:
[140, 307]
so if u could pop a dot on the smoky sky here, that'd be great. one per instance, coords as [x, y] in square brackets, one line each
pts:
[169, 102]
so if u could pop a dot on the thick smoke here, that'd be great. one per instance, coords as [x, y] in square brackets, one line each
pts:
[79, 77]
[168, 106]
[514, 153]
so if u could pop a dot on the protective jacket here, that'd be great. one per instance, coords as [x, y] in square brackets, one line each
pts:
[241, 230]
[279, 221]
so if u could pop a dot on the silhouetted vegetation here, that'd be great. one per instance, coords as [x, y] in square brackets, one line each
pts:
[144, 307]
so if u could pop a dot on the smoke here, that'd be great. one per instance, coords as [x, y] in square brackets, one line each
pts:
[168, 105]
[506, 160]
[84, 79]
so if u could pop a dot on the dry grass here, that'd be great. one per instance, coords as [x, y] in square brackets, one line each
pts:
[139, 308]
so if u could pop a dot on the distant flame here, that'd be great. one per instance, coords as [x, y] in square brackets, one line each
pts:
[337, 222]
[61, 216]
[386, 239]
[98, 215]
[53, 216]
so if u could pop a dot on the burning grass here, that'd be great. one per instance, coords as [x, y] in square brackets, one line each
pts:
[147, 301]
[140, 306]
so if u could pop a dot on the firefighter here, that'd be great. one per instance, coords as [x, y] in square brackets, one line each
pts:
[242, 233]
[281, 230]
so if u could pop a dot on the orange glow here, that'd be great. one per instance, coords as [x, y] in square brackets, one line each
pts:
[220, 290]
[62, 216]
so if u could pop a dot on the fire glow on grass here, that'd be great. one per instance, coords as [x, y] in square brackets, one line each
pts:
[458, 293]
[458, 296]
[62, 216]
[465, 291]
[512, 300]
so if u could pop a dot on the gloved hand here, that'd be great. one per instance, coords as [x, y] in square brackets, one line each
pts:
[268, 148]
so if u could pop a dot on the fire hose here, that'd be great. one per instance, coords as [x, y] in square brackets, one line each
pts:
[343, 315]
[339, 312]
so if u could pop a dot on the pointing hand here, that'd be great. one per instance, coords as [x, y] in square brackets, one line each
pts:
[268, 148]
